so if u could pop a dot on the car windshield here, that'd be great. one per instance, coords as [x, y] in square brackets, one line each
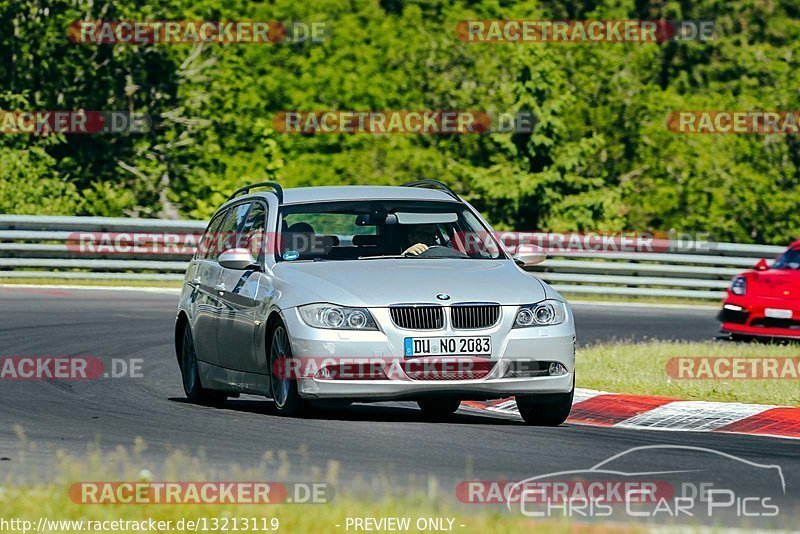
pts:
[373, 229]
[789, 260]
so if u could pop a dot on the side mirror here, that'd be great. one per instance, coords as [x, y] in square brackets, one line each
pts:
[238, 259]
[762, 265]
[527, 255]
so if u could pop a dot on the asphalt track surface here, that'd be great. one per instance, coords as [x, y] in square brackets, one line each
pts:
[387, 439]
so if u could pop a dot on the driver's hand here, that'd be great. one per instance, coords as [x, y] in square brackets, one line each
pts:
[416, 250]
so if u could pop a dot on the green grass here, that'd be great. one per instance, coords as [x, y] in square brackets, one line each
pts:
[640, 368]
[49, 501]
[379, 497]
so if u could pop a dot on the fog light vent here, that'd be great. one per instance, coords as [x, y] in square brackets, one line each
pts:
[526, 369]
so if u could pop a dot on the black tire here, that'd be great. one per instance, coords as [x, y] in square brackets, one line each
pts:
[545, 410]
[190, 375]
[285, 397]
[438, 409]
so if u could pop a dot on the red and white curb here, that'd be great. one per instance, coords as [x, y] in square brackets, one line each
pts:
[600, 408]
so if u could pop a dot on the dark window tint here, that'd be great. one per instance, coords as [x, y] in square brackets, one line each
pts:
[228, 233]
[252, 234]
[207, 243]
[789, 260]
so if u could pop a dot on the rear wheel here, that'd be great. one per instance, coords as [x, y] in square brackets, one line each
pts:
[190, 375]
[438, 409]
[285, 396]
[545, 410]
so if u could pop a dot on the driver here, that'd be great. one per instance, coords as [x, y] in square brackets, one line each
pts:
[423, 236]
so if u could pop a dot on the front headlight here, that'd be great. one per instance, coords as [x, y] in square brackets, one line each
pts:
[739, 285]
[337, 317]
[545, 313]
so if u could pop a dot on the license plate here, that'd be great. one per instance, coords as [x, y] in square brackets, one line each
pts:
[778, 313]
[447, 346]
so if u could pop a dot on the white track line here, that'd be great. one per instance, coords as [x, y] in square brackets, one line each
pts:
[693, 415]
[178, 290]
[644, 305]
[170, 290]
[681, 416]
[582, 394]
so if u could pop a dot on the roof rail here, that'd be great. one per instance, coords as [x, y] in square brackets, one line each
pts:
[246, 189]
[435, 184]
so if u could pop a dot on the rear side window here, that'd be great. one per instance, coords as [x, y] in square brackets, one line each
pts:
[228, 233]
[252, 235]
[208, 242]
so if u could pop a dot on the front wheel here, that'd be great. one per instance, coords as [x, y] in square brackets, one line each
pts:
[285, 396]
[545, 410]
[190, 374]
[438, 409]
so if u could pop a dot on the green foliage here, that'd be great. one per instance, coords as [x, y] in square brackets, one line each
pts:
[599, 156]
[30, 184]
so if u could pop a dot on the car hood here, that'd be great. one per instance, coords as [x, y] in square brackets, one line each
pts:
[778, 283]
[381, 282]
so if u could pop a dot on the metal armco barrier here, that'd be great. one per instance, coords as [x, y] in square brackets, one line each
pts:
[43, 247]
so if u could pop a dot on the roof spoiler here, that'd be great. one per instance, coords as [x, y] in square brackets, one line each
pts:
[277, 189]
[434, 184]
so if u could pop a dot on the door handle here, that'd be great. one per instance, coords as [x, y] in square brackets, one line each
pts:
[220, 287]
[195, 281]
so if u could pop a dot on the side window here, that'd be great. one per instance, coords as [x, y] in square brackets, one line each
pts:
[253, 232]
[209, 240]
[228, 235]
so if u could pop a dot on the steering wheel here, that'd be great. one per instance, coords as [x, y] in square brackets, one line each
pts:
[439, 251]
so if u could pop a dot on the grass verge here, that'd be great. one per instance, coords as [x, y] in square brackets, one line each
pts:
[50, 502]
[640, 368]
[384, 496]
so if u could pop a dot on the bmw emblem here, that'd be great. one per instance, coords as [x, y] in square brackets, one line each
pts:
[443, 296]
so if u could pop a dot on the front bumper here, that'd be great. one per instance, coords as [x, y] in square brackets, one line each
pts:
[509, 346]
[752, 319]
[484, 389]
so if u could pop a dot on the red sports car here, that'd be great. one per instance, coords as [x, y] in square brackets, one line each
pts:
[765, 302]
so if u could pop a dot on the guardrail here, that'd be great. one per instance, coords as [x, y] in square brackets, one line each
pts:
[43, 247]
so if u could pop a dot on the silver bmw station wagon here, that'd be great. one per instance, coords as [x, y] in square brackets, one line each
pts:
[333, 295]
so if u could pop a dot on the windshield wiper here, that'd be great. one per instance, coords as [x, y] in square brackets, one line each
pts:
[387, 257]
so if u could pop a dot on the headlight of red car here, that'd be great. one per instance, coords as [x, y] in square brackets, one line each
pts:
[739, 285]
